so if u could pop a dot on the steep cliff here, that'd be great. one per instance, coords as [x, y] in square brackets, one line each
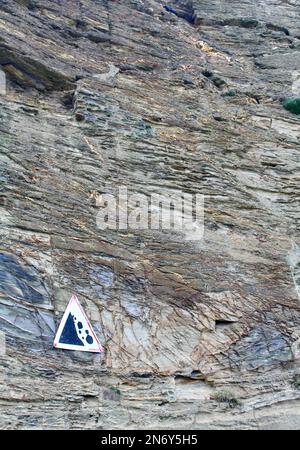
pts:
[101, 94]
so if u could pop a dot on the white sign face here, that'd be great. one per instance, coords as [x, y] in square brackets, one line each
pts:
[75, 331]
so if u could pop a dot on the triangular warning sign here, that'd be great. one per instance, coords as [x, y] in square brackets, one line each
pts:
[75, 331]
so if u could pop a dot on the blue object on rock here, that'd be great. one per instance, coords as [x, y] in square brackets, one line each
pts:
[183, 15]
[170, 9]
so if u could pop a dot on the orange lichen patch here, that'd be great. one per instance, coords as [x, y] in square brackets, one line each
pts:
[204, 47]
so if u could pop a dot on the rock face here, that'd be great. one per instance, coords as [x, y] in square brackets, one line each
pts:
[100, 94]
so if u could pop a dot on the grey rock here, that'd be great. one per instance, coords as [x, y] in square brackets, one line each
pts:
[125, 94]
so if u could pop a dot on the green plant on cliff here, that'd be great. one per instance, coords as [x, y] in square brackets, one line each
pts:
[296, 382]
[226, 397]
[115, 390]
[292, 105]
[230, 93]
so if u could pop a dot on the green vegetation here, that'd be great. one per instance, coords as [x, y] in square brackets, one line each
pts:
[230, 93]
[226, 397]
[292, 105]
[296, 382]
[115, 390]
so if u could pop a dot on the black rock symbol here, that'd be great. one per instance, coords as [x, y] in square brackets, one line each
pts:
[89, 338]
[69, 333]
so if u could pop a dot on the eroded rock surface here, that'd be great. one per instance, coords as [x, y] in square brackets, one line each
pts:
[102, 94]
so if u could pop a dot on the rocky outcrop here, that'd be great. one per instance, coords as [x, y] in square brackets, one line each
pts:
[102, 94]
